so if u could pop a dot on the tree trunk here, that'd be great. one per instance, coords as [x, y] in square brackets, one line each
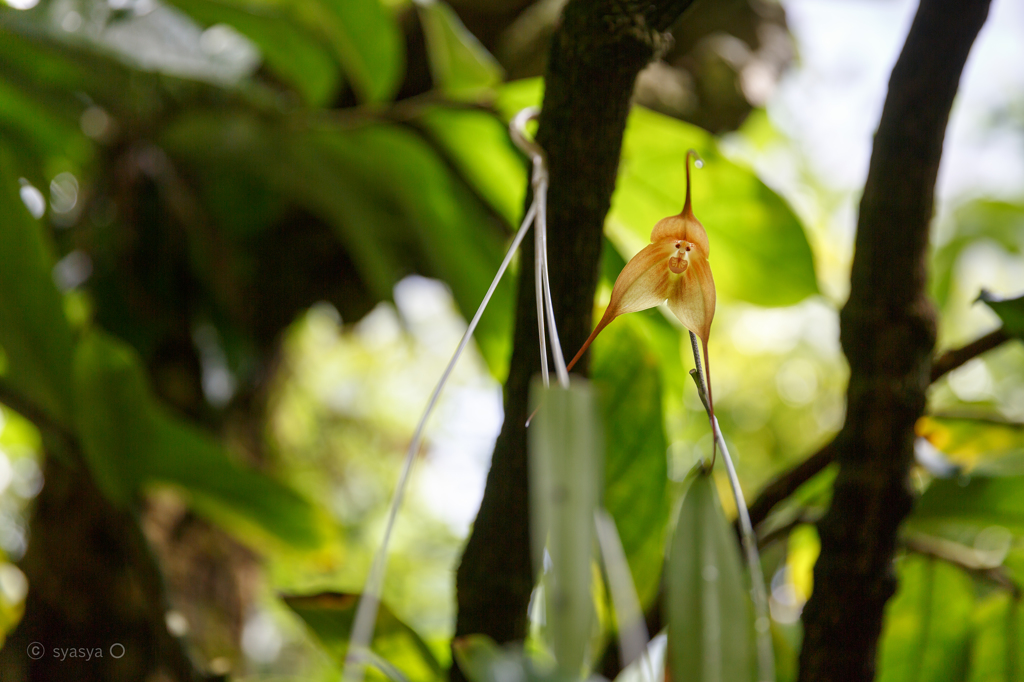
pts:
[888, 336]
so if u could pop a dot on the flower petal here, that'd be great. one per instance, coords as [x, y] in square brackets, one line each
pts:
[644, 282]
[692, 297]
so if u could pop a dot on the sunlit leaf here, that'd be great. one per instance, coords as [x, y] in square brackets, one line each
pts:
[479, 145]
[460, 65]
[290, 52]
[759, 252]
[1010, 311]
[330, 615]
[997, 647]
[34, 333]
[129, 440]
[625, 371]
[927, 627]
[367, 40]
[565, 464]
[710, 615]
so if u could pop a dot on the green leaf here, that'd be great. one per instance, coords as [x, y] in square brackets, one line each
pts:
[392, 201]
[974, 222]
[974, 500]
[290, 51]
[759, 252]
[34, 333]
[129, 440]
[479, 145]
[927, 626]
[1010, 311]
[997, 648]
[367, 41]
[330, 616]
[565, 465]
[481, 660]
[462, 68]
[626, 372]
[710, 615]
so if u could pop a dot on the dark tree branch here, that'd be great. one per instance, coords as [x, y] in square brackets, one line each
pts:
[952, 359]
[596, 55]
[787, 483]
[887, 329]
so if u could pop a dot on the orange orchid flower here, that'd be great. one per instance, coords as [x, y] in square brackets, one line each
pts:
[673, 267]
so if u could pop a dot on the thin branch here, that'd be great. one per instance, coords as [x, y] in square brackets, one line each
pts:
[966, 558]
[952, 359]
[787, 483]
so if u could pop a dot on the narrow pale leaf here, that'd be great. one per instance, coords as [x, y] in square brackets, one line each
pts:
[460, 65]
[565, 466]
[710, 615]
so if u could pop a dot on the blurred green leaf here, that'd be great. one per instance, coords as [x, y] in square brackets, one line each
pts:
[565, 453]
[979, 445]
[462, 68]
[366, 39]
[479, 145]
[974, 500]
[759, 252]
[1010, 311]
[710, 615]
[392, 201]
[927, 626]
[982, 220]
[128, 440]
[34, 333]
[626, 372]
[997, 648]
[290, 52]
[330, 616]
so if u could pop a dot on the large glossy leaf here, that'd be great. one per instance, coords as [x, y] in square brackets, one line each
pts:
[759, 252]
[462, 68]
[927, 627]
[34, 333]
[976, 500]
[625, 371]
[392, 201]
[330, 616]
[997, 647]
[710, 615]
[479, 145]
[291, 52]
[1009, 310]
[129, 440]
[565, 464]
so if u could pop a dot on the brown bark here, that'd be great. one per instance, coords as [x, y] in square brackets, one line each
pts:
[888, 335]
[596, 55]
